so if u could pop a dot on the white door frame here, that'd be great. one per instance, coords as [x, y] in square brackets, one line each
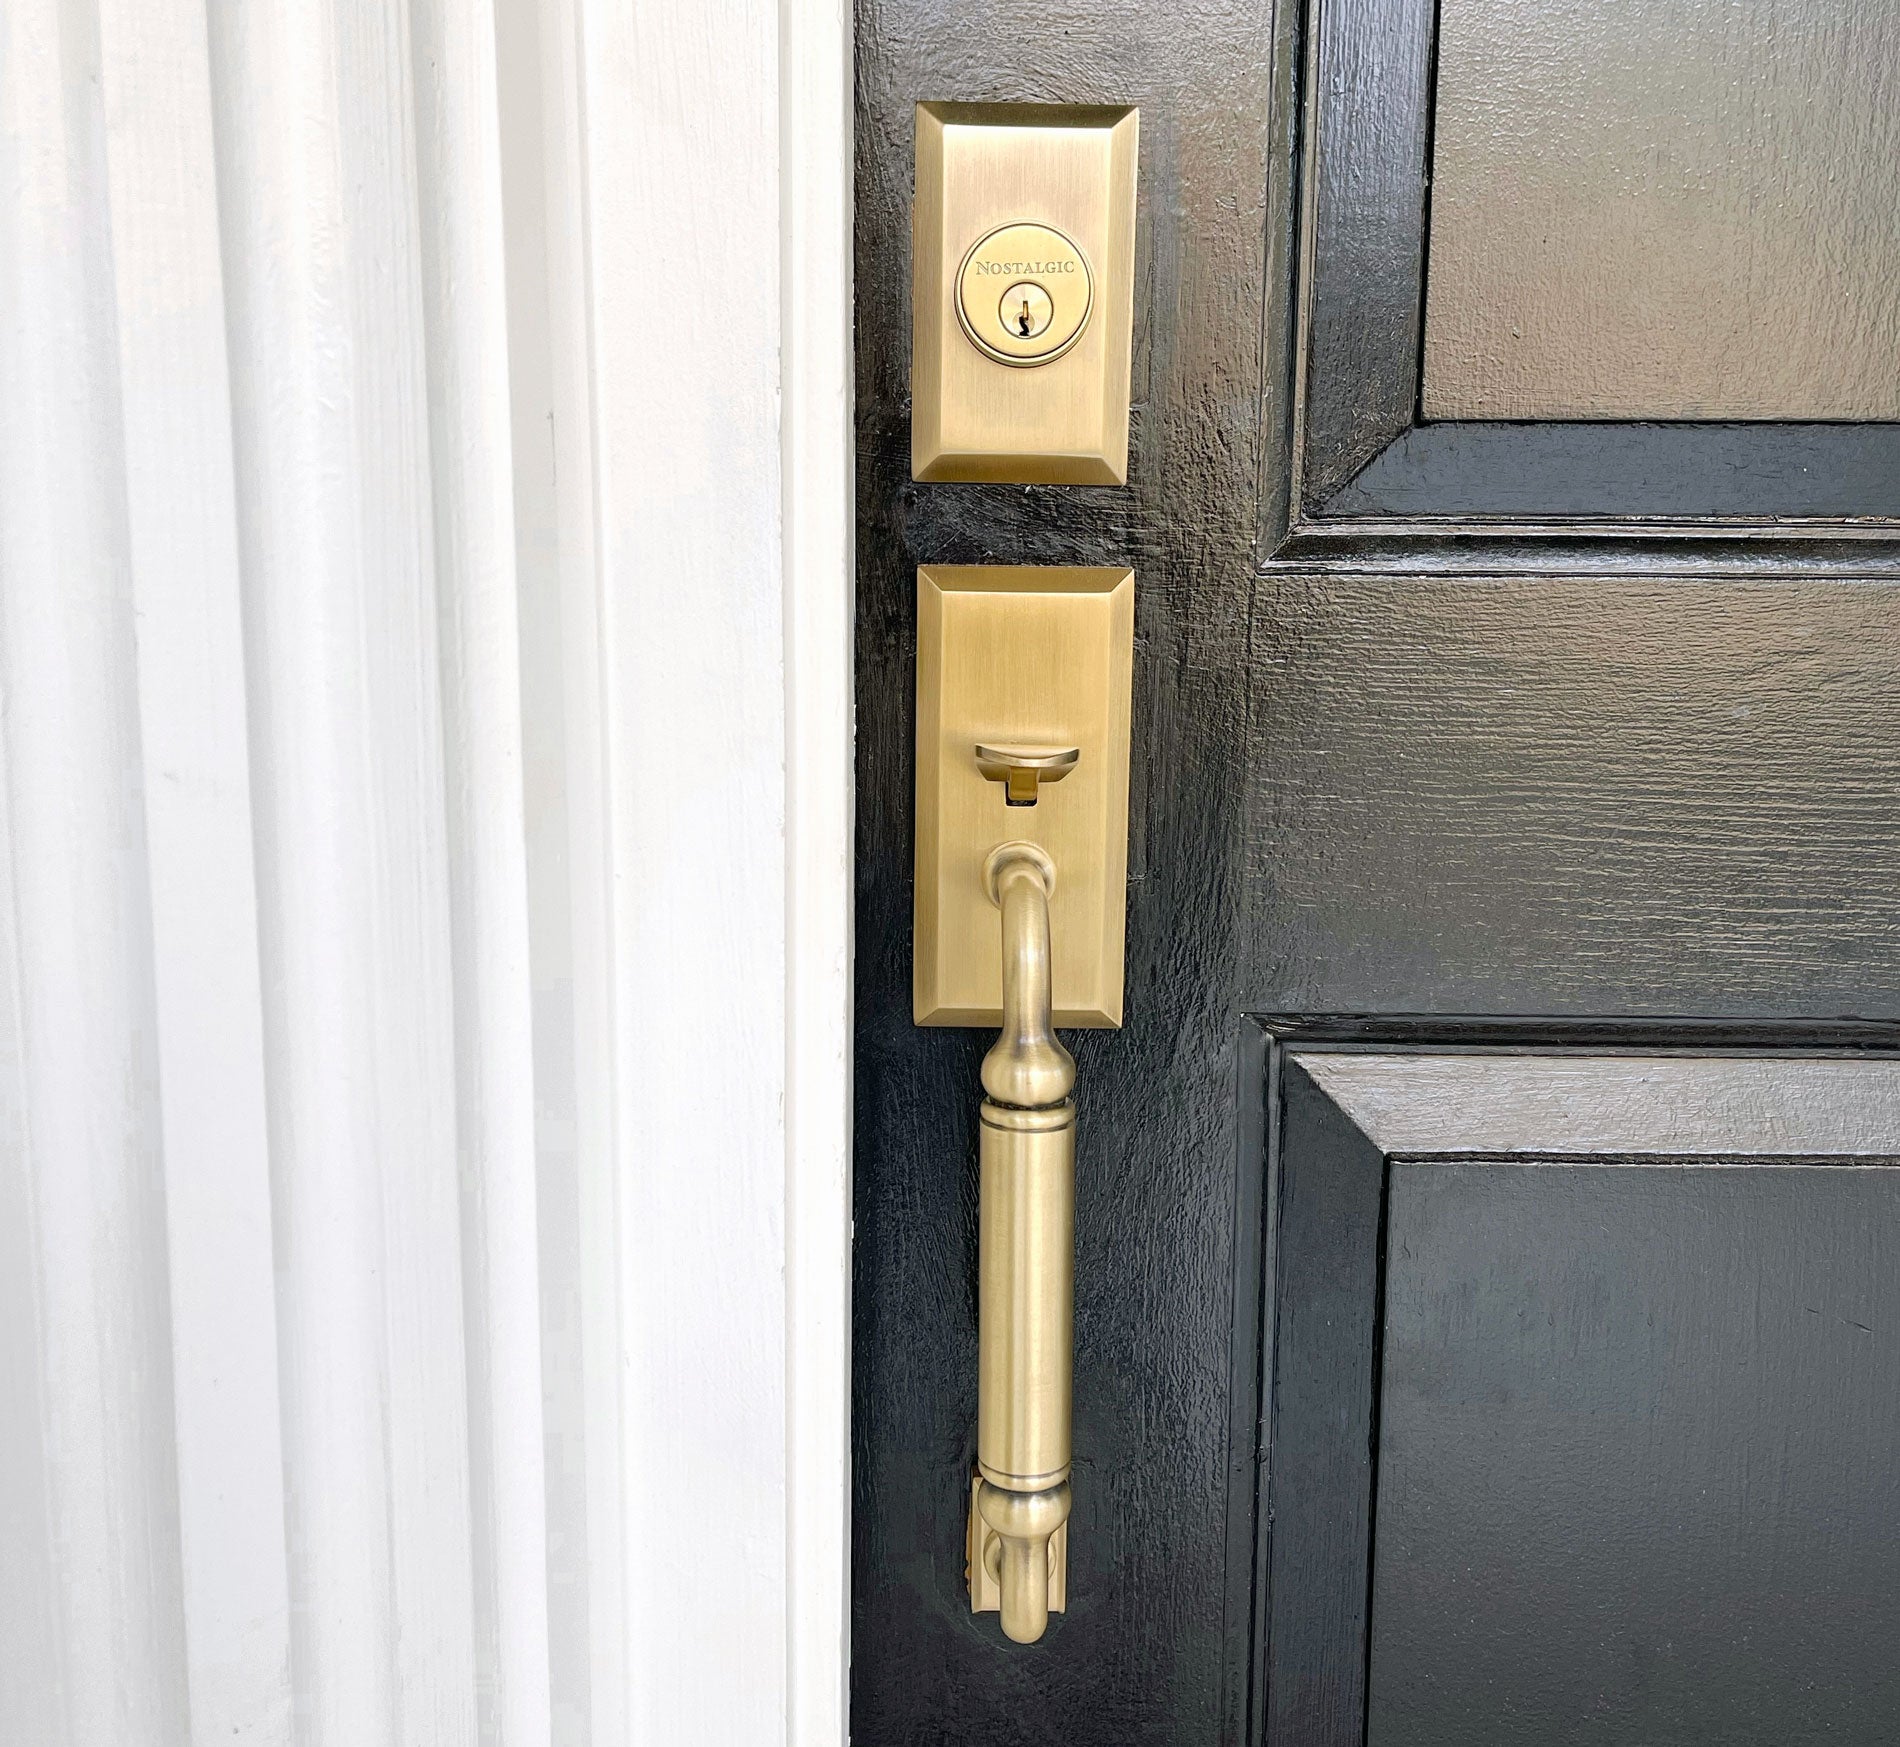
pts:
[425, 867]
[696, 163]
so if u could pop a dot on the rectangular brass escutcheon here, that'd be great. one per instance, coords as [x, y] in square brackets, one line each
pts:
[1023, 234]
[1029, 665]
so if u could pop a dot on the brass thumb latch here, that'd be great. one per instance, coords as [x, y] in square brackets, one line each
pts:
[1025, 1268]
[1023, 769]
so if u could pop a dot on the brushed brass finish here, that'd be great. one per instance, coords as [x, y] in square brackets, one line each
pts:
[1019, 659]
[1052, 186]
[1025, 1261]
[1022, 770]
[982, 1561]
[1046, 301]
[1023, 680]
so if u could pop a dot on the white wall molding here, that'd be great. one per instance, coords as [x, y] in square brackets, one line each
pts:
[424, 890]
[819, 499]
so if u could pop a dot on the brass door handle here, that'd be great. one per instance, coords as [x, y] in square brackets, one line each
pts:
[1026, 1263]
[1023, 710]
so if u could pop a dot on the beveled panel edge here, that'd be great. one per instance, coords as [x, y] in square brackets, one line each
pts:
[1328, 428]
[1463, 547]
[1365, 128]
[1694, 475]
[1615, 1102]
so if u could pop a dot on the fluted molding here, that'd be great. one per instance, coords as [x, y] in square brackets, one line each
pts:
[424, 715]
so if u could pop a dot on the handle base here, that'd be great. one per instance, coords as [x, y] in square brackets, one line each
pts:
[982, 1551]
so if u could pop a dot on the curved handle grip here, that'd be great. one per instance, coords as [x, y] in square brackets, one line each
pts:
[1026, 1261]
[1026, 1067]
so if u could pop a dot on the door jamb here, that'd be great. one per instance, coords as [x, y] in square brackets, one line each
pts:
[698, 459]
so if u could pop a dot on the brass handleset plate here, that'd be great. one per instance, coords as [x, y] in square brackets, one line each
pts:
[1023, 251]
[1036, 662]
[1024, 234]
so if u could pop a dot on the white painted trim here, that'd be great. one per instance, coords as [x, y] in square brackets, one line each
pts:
[425, 855]
[816, 135]
[691, 534]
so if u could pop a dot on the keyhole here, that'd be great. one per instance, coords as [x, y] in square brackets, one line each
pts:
[1026, 310]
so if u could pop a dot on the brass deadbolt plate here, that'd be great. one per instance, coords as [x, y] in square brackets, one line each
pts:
[1024, 294]
[1037, 658]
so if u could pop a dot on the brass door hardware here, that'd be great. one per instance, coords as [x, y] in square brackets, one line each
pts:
[1025, 1269]
[1024, 769]
[1022, 293]
[1030, 664]
[1023, 680]
[1047, 293]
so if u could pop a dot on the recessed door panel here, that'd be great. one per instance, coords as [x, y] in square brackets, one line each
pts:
[1664, 209]
[1635, 1422]
[1581, 1424]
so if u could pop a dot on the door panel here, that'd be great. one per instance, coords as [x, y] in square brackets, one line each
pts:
[1664, 209]
[1580, 1428]
[1683, 1360]
[1413, 768]
[1592, 794]
[1369, 444]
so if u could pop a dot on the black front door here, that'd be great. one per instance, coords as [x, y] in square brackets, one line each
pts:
[1486, 1279]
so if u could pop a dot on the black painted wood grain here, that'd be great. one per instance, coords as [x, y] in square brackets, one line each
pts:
[1535, 471]
[1637, 1479]
[1368, 134]
[1420, 800]
[1140, 1655]
[1547, 795]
